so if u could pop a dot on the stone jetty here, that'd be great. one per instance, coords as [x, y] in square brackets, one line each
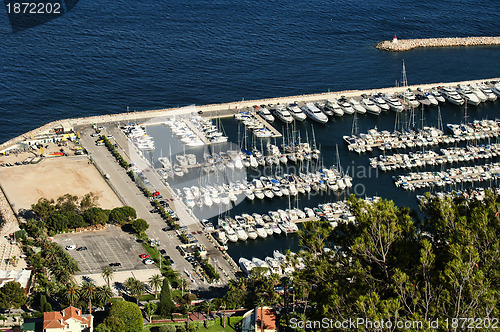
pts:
[398, 45]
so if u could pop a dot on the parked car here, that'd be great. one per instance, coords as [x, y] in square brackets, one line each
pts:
[144, 256]
[81, 248]
[115, 264]
[163, 252]
[149, 261]
[71, 247]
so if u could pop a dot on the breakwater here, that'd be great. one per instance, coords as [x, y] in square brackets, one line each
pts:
[398, 45]
[216, 110]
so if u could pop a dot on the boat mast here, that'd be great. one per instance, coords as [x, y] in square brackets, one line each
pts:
[440, 119]
[354, 130]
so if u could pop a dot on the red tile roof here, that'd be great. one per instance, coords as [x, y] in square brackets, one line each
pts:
[57, 319]
[269, 319]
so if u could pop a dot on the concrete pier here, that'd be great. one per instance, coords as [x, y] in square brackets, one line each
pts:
[398, 45]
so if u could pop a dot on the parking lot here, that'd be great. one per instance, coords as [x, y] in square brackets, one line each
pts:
[103, 248]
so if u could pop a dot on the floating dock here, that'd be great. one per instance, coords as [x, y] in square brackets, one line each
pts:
[399, 45]
[267, 125]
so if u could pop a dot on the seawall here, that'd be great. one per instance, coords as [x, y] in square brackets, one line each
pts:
[408, 44]
[218, 110]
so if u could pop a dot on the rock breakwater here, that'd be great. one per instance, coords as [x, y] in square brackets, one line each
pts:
[408, 44]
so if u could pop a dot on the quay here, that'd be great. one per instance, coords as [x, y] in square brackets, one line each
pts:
[267, 125]
[399, 45]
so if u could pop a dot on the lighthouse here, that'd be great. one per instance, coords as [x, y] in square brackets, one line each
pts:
[395, 39]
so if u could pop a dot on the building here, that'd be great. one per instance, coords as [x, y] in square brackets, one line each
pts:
[252, 320]
[67, 320]
[23, 277]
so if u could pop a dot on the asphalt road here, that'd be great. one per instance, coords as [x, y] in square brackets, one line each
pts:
[132, 196]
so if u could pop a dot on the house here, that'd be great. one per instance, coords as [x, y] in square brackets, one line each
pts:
[252, 320]
[23, 277]
[69, 319]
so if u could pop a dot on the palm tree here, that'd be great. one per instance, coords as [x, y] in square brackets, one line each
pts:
[88, 291]
[107, 274]
[155, 283]
[261, 303]
[136, 289]
[72, 293]
[183, 285]
[209, 306]
[189, 307]
[103, 293]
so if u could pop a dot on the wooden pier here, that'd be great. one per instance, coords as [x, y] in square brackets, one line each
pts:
[197, 132]
[276, 133]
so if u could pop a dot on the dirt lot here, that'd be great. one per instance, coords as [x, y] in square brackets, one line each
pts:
[54, 177]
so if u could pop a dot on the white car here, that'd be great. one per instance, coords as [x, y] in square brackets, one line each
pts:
[71, 247]
[149, 261]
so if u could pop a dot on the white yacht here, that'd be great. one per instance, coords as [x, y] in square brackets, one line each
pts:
[296, 112]
[266, 115]
[334, 107]
[282, 113]
[467, 93]
[249, 194]
[393, 102]
[315, 113]
[380, 102]
[231, 234]
[451, 95]
[496, 89]
[259, 194]
[277, 191]
[370, 106]
[240, 232]
[246, 265]
[261, 264]
[408, 97]
[261, 231]
[345, 105]
[437, 94]
[275, 228]
[274, 265]
[221, 237]
[479, 93]
[487, 92]
[357, 106]
[251, 232]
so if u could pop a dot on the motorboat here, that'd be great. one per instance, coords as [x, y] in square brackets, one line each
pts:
[249, 194]
[246, 265]
[496, 89]
[259, 263]
[409, 98]
[487, 92]
[221, 237]
[357, 106]
[393, 102]
[479, 93]
[296, 112]
[314, 113]
[467, 93]
[380, 102]
[240, 232]
[231, 234]
[274, 265]
[437, 94]
[334, 107]
[345, 106]
[369, 105]
[266, 115]
[252, 233]
[451, 95]
[282, 113]
[275, 228]
[259, 194]
[261, 231]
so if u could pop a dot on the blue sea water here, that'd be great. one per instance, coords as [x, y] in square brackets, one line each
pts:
[105, 56]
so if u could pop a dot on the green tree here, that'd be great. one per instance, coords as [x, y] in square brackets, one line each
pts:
[114, 324]
[103, 293]
[66, 203]
[12, 296]
[57, 222]
[95, 215]
[107, 274]
[167, 328]
[122, 215]
[166, 305]
[43, 208]
[88, 201]
[88, 292]
[139, 226]
[71, 293]
[150, 308]
[155, 283]
[129, 313]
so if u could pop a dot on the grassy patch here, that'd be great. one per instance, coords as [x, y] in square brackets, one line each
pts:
[213, 325]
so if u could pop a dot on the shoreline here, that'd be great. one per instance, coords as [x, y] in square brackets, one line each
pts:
[216, 110]
[400, 45]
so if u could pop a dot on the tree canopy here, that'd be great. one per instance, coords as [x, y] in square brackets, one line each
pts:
[12, 295]
[140, 225]
[129, 313]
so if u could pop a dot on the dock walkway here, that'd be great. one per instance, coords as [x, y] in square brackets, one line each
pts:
[276, 133]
